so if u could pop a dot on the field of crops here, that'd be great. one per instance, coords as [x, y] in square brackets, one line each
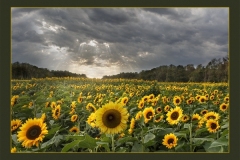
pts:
[117, 115]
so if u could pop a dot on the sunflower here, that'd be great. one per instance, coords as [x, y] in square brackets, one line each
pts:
[32, 132]
[158, 110]
[212, 125]
[124, 100]
[185, 118]
[166, 108]
[74, 117]
[223, 107]
[145, 98]
[74, 129]
[112, 118]
[196, 117]
[15, 124]
[164, 99]
[174, 115]
[215, 91]
[80, 99]
[130, 130]
[154, 102]
[226, 99]
[73, 104]
[138, 115]
[92, 120]
[30, 104]
[141, 104]
[177, 100]
[211, 97]
[53, 105]
[211, 115]
[189, 101]
[148, 114]
[202, 99]
[90, 107]
[72, 111]
[203, 112]
[132, 124]
[56, 112]
[14, 150]
[43, 117]
[158, 118]
[170, 140]
[47, 104]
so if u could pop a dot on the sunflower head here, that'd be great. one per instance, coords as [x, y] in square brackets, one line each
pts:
[15, 124]
[74, 129]
[141, 104]
[202, 99]
[196, 117]
[170, 140]
[158, 110]
[223, 107]
[148, 114]
[174, 115]
[112, 118]
[90, 107]
[132, 124]
[212, 125]
[56, 112]
[211, 115]
[203, 112]
[124, 100]
[158, 118]
[74, 118]
[92, 120]
[32, 132]
[177, 100]
[14, 150]
[185, 118]
[138, 115]
[166, 108]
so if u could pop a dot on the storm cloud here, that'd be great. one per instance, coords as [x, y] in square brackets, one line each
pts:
[106, 41]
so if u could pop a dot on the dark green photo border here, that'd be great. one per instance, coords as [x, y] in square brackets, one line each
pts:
[5, 71]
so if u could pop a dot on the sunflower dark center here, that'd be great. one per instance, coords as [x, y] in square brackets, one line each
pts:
[149, 114]
[57, 112]
[33, 132]
[194, 119]
[111, 118]
[224, 107]
[159, 109]
[174, 115]
[170, 141]
[202, 100]
[177, 100]
[204, 112]
[211, 117]
[213, 126]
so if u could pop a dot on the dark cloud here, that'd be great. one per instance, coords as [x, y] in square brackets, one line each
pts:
[126, 39]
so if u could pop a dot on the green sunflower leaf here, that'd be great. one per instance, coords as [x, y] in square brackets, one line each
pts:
[148, 137]
[70, 145]
[137, 147]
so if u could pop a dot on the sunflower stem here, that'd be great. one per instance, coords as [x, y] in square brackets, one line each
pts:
[113, 148]
[190, 136]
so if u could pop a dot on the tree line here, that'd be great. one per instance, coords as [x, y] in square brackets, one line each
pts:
[215, 71]
[28, 71]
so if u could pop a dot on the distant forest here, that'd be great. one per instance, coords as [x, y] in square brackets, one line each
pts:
[215, 71]
[28, 71]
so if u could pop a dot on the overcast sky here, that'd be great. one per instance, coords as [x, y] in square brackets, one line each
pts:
[107, 41]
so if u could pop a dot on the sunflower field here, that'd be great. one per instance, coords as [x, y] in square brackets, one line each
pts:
[118, 115]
